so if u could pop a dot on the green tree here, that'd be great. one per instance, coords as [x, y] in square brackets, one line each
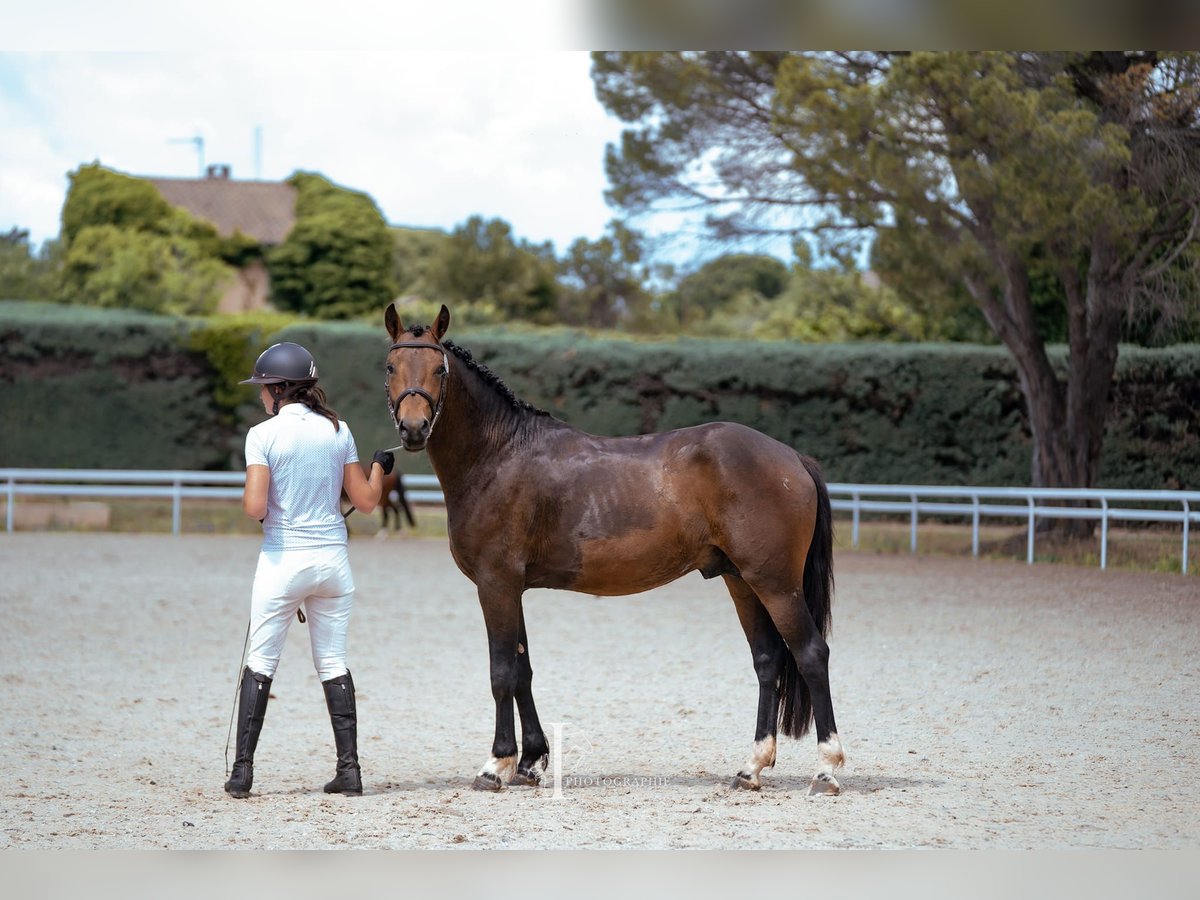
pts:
[415, 253]
[336, 262]
[837, 306]
[121, 268]
[716, 283]
[100, 196]
[996, 171]
[832, 305]
[482, 263]
[603, 285]
[24, 273]
[126, 247]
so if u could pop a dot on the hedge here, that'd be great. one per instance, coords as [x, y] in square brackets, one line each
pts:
[82, 387]
[85, 387]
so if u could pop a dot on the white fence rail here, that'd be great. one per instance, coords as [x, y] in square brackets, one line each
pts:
[176, 486]
[1030, 504]
[1104, 506]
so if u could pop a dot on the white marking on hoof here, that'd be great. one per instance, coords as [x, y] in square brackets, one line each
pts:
[487, 783]
[824, 783]
[742, 783]
[830, 756]
[762, 756]
[764, 752]
[535, 776]
[502, 768]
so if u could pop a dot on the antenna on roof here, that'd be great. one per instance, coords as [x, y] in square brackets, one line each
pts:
[198, 140]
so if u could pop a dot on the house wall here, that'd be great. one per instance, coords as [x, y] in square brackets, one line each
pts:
[249, 290]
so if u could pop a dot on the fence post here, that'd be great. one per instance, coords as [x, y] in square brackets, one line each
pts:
[854, 527]
[12, 496]
[1187, 514]
[913, 539]
[176, 502]
[1029, 552]
[975, 525]
[1103, 532]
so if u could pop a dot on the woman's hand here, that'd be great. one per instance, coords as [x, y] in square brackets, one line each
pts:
[386, 460]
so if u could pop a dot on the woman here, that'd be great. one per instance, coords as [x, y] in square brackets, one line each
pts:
[297, 463]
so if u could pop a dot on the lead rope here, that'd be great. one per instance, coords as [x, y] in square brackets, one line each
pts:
[236, 690]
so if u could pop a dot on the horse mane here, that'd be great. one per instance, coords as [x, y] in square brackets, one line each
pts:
[489, 377]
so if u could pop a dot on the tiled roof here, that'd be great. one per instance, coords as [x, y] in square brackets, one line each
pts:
[263, 210]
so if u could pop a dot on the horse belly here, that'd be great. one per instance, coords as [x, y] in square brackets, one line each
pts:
[630, 565]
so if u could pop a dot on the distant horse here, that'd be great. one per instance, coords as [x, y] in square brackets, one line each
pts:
[392, 500]
[532, 502]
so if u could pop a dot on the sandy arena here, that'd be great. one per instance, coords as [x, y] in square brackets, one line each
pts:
[981, 704]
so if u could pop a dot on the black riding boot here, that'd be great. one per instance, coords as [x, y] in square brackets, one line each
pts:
[339, 697]
[252, 708]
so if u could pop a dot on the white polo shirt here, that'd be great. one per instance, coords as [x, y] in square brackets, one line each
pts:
[306, 457]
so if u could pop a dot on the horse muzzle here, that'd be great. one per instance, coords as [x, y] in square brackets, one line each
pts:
[413, 433]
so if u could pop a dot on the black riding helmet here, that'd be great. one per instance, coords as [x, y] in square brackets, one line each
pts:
[284, 362]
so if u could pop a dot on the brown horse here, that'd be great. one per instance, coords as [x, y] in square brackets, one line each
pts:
[533, 502]
[392, 501]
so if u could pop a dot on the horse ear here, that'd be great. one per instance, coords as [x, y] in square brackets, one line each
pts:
[391, 319]
[442, 325]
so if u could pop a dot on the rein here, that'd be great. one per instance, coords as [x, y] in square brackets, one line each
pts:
[434, 406]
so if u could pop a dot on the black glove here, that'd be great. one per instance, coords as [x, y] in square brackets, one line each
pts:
[386, 460]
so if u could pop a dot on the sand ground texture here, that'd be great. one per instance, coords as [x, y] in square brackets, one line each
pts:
[981, 704]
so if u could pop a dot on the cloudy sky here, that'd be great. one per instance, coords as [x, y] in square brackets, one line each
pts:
[438, 111]
[433, 136]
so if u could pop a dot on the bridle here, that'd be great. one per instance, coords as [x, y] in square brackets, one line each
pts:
[435, 406]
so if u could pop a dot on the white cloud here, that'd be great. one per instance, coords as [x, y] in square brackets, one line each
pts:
[432, 136]
[175, 25]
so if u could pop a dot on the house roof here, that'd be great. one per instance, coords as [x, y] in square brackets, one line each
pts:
[263, 210]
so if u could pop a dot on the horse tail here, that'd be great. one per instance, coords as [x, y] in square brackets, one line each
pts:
[818, 567]
[795, 705]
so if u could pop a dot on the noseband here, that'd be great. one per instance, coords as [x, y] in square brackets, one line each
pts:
[435, 406]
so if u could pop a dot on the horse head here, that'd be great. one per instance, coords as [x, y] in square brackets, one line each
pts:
[415, 377]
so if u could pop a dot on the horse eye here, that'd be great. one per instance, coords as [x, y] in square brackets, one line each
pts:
[390, 369]
[441, 370]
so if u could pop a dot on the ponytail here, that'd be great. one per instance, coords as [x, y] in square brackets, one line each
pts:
[307, 393]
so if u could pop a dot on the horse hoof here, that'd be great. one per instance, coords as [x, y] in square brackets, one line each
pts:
[742, 783]
[486, 781]
[824, 783]
[532, 774]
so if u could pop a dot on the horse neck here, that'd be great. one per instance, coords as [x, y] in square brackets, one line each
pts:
[477, 428]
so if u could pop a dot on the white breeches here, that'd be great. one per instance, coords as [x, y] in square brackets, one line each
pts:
[321, 580]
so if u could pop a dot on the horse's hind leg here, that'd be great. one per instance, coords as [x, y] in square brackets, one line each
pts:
[791, 617]
[805, 684]
[769, 653]
[535, 752]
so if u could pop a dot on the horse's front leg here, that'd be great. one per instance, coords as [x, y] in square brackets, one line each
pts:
[535, 752]
[501, 606]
